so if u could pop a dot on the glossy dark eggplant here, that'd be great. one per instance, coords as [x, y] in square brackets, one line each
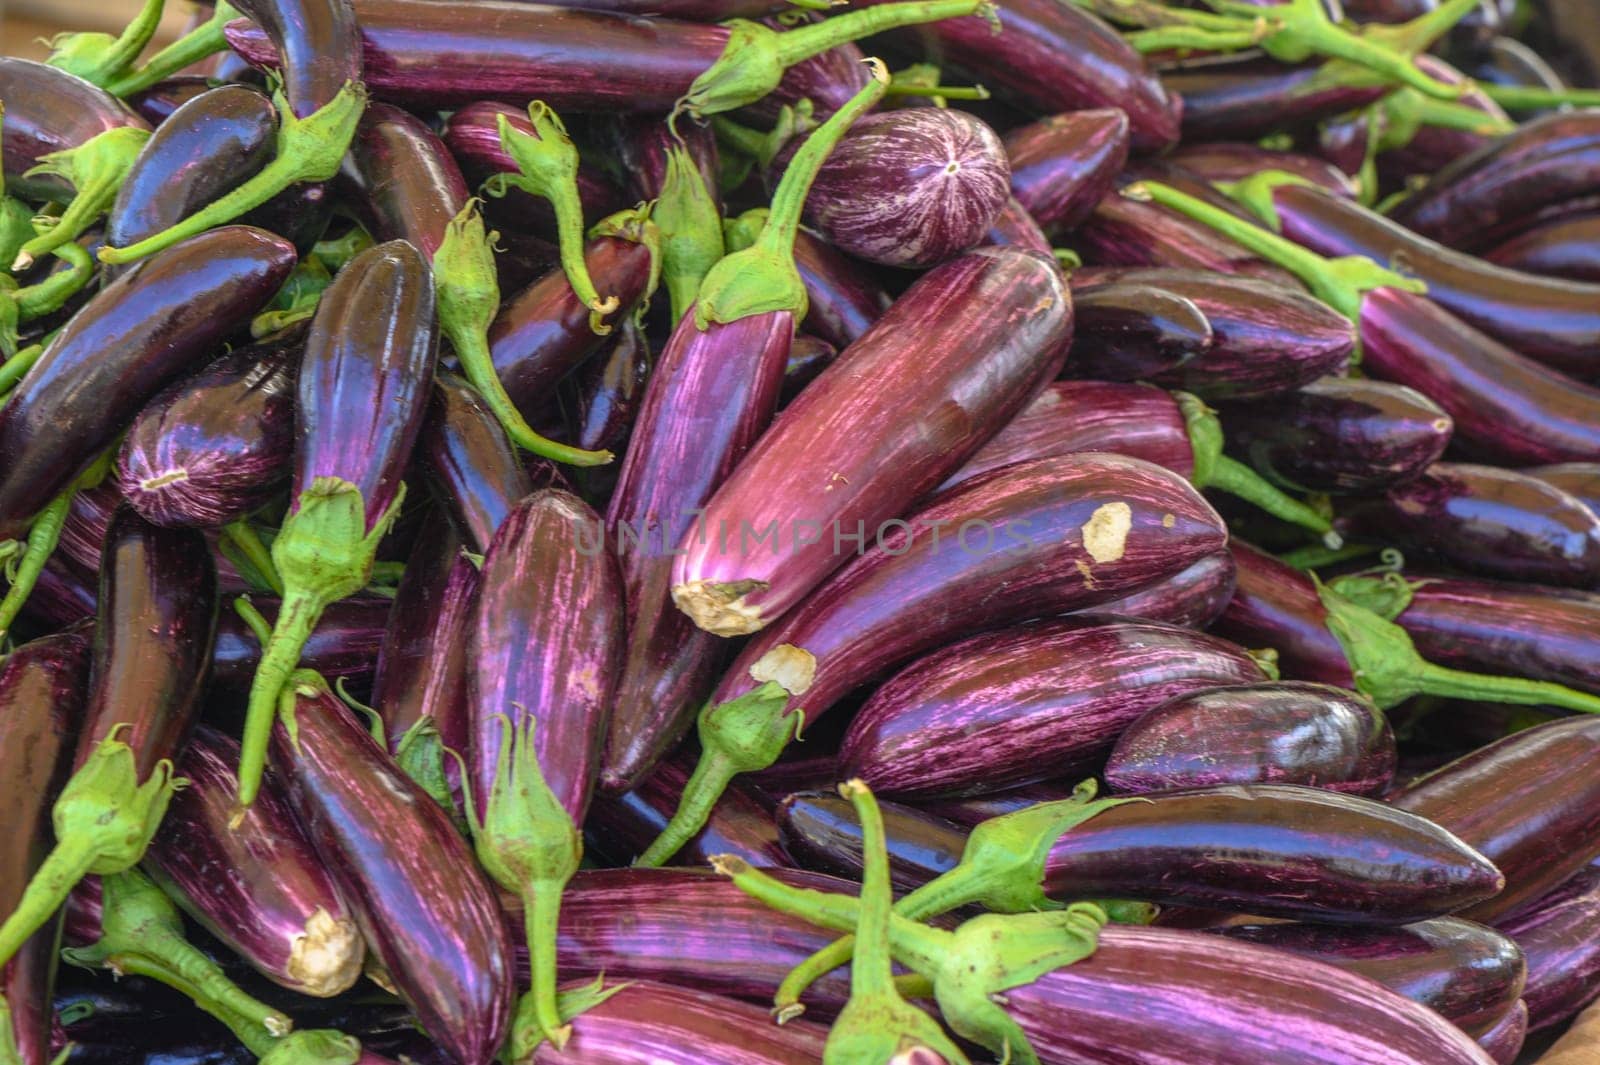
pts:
[1027, 704]
[151, 325]
[642, 145]
[1015, 227]
[1192, 598]
[843, 299]
[1558, 935]
[1243, 97]
[1236, 160]
[345, 644]
[1528, 802]
[470, 466]
[621, 827]
[1279, 733]
[1121, 232]
[1578, 479]
[211, 448]
[1125, 331]
[1339, 434]
[318, 46]
[821, 831]
[426, 911]
[50, 110]
[1062, 165]
[159, 101]
[1564, 247]
[258, 886]
[613, 390]
[401, 180]
[1278, 607]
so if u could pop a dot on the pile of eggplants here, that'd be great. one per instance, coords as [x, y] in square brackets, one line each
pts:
[762, 532]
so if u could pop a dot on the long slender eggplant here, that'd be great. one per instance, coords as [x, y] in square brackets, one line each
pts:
[1564, 247]
[1192, 598]
[468, 462]
[1558, 936]
[1021, 705]
[319, 45]
[1079, 532]
[611, 392]
[1124, 232]
[1344, 435]
[258, 887]
[47, 111]
[213, 447]
[1279, 733]
[843, 301]
[863, 441]
[426, 911]
[345, 644]
[1276, 606]
[1578, 479]
[1235, 160]
[621, 827]
[1125, 331]
[1062, 165]
[1242, 97]
[821, 831]
[364, 383]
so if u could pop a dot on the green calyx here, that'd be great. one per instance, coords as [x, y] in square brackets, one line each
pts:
[762, 279]
[321, 1046]
[691, 230]
[1386, 595]
[547, 164]
[99, 57]
[877, 1024]
[740, 232]
[199, 43]
[756, 57]
[296, 301]
[420, 754]
[309, 149]
[334, 254]
[95, 169]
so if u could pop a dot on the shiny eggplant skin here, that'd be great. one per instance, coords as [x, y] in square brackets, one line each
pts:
[1560, 936]
[641, 144]
[1192, 598]
[401, 179]
[419, 54]
[863, 441]
[1579, 479]
[1486, 520]
[1554, 321]
[1563, 247]
[611, 392]
[1062, 165]
[1503, 1041]
[1021, 705]
[546, 642]
[1125, 331]
[41, 710]
[843, 299]
[1507, 408]
[318, 45]
[1122, 232]
[1529, 802]
[258, 886]
[214, 447]
[344, 644]
[153, 634]
[1284, 732]
[620, 827]
[1015, 227]
[1236, 160]
[426, 911]
[1469, 974]
[808, 356]
[657, 1024]
[821, 831]
[1242, 97]
[1339, 434]
[1278, 607]
[471, 468]
[49, 110]
[140, 332]
[158, 102]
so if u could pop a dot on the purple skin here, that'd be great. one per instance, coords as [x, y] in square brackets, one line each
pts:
[827, 80]
[158, 102]
[1192, 599]
[969, 812]
[470, 467]
[621, 827]
[1469, 974]
[713, 394]
[425, 910]
[318, 44]
[1128, 332]
[418, 54]
[1580, 479]
[1485, 520]
[688, 10]
[401, 179]
[259, 886]
[1555, 322]
[1236, 160]
[1283, 732]
[345, 643]
[206, 148]
[911, 187]
[1015, 227]
[1061, 166]
[1529, 802]
[1021, 705]
[820, 831]
[1229, 98]
[1560, 936]
[613, 390]
[1343, 435]
[64, 596]
[1278, 607]
[654, 1024]
[214, 447]
[49, 110]
[1507, 408]
[1503, 1042]
[640, 143]
[986, 329]
[1566, 248]
[140, 332]
[1432, 148]
[1120, 232]
[844, 300]
[41, 708]
[1542, 162]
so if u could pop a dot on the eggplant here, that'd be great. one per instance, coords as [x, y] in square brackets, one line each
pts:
[873, 440]
[1578, 479]
[160, 100]
[470, 466]
[1276, 606]
[1062, 165]
[318, 44]
[821, 831]
[1470, 975]
[1091, 528]
[1479, 797]
[1121, 232]
[643, 147]
[47, 111]
[1503, 1043]
[621, 827]
[612, 390]
[1244, 96]
[1124, 331]
[425, 910]
[1277, 733]
[1021, 705]
[1558, 935]
[827, 80]
[1192, 598]
[1230, 161]
[843, 299]
[1565, 248]
[345, 644]
[1499, 523]
[211, 448]
[1015, 227]
[1340, 435]
[364, 383]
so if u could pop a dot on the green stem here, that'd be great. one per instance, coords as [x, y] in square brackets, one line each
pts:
[691, 230]
[538, 1015]
[872, 972]
[1192, 39]
[199, 43]
[98, 58]
[742, 139]
[1447, 683]
[1315, 556]
[43, 536]
[297, 619]
[47, 890]
[51, 294]
[244, 539]
[711, 777]
[96, 169]
[248, 1032]
[1533, 97]
[320, 1045]
[1237, 479]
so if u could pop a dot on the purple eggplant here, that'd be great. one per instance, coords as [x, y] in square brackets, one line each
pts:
[1565, 247]
[345, 644]
[471, 467]
[1558, 934]
[257, 886]
[643, 147]
[426, 912]
[1245, 96]
[47, 111]
[401, 180]
[621, 827]
[1121, 232]
[1344, 435]
[1080, 532]
[214, 447]
[364, 383]
[158, 102]
[1226, 161]
[821, 831]
[1192, 598]
[1062, 165]
[612, 390]
[1276, 606]
[1021, 705]
[1125, 331]
[843, 300]
[318, 44]
[808, 357]
[1503, 1042]
[1015, 227]
[1578, 479]
[1277, 733]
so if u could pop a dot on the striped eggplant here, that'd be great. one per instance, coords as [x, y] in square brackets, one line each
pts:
[1278, 733]
[1276, 606]
[1015, 227]
[427, 913]
[1013, 707]
[1192, 598]
[1080, 532]
[364, 383]
[863, 441]
[1125, 331]
[1221, 161]
[1563, 247]
[1062, 165]
[546, 640]
[1246, 95]
[345, 644]
[1503, 1042]
[470, 467]
[1120, 232]
[1559, 934]
[821, 831]
[621, 827]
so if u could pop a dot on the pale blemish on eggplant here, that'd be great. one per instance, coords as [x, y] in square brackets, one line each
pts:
[1105, 534]
[176, 476]
[793, 668]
